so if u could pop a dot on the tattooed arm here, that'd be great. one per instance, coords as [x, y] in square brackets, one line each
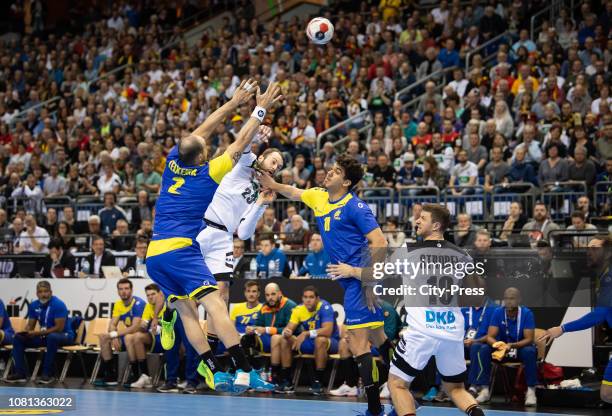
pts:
[246, 133]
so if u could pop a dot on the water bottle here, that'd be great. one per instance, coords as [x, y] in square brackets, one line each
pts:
[272, 268]
[251, 273]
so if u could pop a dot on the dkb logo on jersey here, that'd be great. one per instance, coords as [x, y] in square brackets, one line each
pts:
[439, 318]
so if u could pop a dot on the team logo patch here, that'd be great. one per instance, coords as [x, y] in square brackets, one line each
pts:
[360, 205]
[337, 214]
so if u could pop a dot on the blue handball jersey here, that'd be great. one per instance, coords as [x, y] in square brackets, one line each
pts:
[186, 192]
[343, 225]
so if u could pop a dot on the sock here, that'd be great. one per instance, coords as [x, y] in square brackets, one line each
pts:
[105, 367]
[369, 375]
[474, 410]
[319, 374]
[239, 358]
[211, 361]
[168, 314]
[213, 341]
[286, 374]
[142, 367]
[275, 371]
[134, 368]
[386, 352]
[347, 366]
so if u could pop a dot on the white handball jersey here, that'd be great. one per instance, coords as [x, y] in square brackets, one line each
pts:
[236, 193]
[439, 265]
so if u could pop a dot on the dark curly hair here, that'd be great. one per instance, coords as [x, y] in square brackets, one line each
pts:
[353, 171]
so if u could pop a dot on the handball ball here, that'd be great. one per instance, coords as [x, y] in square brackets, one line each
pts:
[320, 30]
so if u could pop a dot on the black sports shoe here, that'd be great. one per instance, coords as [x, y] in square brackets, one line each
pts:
[107, 381]
[190, 389]
[45, 380]
[284, 388]
[168, 387]
[16, 378]
[316, 388]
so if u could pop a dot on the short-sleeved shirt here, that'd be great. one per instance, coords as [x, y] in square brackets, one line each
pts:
[149, 312]
[6, 321]
[463, 173]
[46, 314]
[126, 314]
[307, 320]
[497, 173]
[508, 326]
[243, 316]
[343, 225]
[185, 194]
[478, 319]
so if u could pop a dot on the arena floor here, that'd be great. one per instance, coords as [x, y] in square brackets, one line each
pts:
[94, 402]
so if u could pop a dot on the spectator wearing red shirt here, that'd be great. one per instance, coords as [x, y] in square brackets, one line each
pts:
[423, 135]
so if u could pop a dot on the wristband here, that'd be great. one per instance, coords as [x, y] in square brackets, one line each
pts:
[313, 333]
[259, 113]
[268, 330]
[114, 334]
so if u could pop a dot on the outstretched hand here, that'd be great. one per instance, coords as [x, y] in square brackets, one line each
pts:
[245, 91]
[551, 334]
[266, 181]
[271, 96]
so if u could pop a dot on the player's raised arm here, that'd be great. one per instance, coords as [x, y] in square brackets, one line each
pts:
[246, 133]
[288, 191]
[241, 96]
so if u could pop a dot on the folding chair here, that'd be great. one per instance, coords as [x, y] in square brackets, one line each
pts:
[19, 325]
[80, 345]
[95, 327]
[503, 367]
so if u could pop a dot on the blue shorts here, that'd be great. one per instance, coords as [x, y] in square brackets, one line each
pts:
[357, 314]
[308, 346]
[607, 380]
[7, 339]
[156, 346]
[363, 318]
[265, 342]
[177, 266]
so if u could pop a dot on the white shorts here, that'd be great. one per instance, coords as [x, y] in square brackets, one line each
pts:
[217, 247]
[414, 351]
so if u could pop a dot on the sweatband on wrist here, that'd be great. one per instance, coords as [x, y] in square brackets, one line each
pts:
[114, 334]
[259, 113]
[313, 333]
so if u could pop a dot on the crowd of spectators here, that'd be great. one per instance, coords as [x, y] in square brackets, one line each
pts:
[537, 112]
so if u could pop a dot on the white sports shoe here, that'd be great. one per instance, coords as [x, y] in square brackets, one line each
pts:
[344, 390]
[530, 397]
[182, 385]
[384, 392]
[484, 396]
[143, 382]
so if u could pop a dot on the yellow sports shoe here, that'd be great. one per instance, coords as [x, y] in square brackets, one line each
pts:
[219, 381]
[167, 332]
